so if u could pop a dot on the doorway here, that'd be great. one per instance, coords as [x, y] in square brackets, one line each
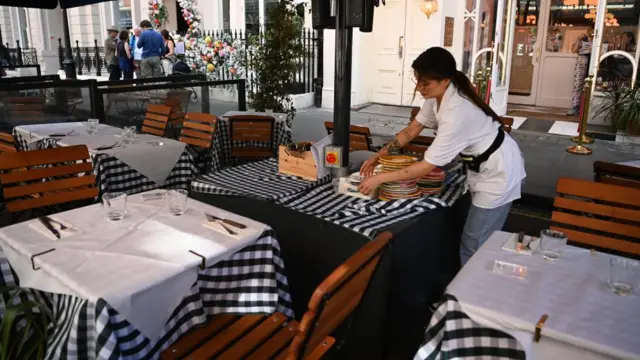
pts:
[181, 23]
[399, 35]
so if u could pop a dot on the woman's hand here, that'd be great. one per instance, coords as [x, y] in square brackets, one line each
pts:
[369, 185]
[368, 166]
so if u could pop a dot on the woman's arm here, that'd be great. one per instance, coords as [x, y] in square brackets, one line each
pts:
[170, 46]
[127, 49]
[412, 172]
[403, 138]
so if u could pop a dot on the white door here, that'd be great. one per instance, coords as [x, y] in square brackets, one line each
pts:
[501, 66]
[416, 25]
[389, 39]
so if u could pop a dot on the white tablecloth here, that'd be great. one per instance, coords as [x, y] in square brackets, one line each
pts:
[586, 320]
[154, 162]
[635, 163]
[140, 265]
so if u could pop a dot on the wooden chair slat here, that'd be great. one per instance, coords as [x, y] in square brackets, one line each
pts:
[277, 343]
[47, 200]
[156, 117]
[7, 138]
[7, 148]
[252, 137]
[358, 146]
[186, 344]
[246, 117]
[253, 339]
[254, 128]
[158, 109]
[359, 136]
[152, 131]
[228, 336]
[207, 128]
[595, 224]
[321, 350]
[202, 117]
[196, 142]
[252, 152]
[23, 99]
[414, 113]
[597, 209]
[241, 130]
[42, 157]
[616, 174]
[196, 134]
[600, 241]
[423, 140]
[598, 191]
[48, 186]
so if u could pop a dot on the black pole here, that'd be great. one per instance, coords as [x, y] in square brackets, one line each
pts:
[68, 65]
[0, 36]
[342, 86]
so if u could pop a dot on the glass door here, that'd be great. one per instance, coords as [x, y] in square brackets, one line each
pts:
[501, 64]
[525, 53]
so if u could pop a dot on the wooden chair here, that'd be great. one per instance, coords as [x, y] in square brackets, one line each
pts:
[7, 143]
[616, 174]
[25, 108]
[155, 120]
[418, 146]
[256, 129]
[255, 337]
[507, 123]
[41, 178]
[598, 215]
[359, 137]
[178, 101]
[198, 130]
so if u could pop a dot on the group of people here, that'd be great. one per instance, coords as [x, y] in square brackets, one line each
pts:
[146, 52]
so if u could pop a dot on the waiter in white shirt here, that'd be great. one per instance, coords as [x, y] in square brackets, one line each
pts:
[467, 127]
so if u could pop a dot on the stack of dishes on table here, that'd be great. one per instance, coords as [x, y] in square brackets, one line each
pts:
[431, 183]
[396, 190]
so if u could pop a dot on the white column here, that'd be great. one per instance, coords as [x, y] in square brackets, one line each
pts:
[236, 14]
[46, 28]
[212, 16]
[139, 11]
[6, 26]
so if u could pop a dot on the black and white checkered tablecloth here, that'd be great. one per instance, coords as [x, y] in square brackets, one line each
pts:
[258, 179]
[221, 152]
[251, 281]
[369, 216]
[113, 175]
[453, 335]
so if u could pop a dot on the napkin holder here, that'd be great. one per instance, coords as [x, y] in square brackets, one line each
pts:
[346, 187]
[300, 164]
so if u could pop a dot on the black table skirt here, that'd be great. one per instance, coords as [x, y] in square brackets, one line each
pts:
[392, 318]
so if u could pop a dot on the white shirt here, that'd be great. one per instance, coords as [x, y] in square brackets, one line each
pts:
[465, 128]
[137, 52]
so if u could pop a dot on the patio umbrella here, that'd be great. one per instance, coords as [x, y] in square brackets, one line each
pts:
[68, 64]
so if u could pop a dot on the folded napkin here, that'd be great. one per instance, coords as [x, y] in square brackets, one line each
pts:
[217, 226]
[58, 225]
[512, 244]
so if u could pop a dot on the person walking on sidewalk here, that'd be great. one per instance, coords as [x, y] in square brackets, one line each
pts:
[152, 45]
[137, 52]
[169, 53]
[110, 45]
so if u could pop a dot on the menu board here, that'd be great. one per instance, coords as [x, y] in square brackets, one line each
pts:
[448, 31]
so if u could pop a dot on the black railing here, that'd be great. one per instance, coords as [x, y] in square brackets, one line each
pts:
[88, 59]
[22, 56]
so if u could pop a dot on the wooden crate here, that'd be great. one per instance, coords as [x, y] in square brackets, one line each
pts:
[303, 166]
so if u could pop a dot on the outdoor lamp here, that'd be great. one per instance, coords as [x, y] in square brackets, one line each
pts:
[428, 7]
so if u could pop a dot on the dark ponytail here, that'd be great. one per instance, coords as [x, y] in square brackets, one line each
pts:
[438, 64]
[466, 89]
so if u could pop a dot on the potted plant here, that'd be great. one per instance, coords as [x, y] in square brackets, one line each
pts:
[24, 327]
[620, 105]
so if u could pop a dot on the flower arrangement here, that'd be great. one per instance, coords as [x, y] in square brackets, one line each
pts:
[157, 13]
[207, 55]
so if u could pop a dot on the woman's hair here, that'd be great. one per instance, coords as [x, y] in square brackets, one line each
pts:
[438, 64]
[631, 37]
[124, 35]
[165, 35]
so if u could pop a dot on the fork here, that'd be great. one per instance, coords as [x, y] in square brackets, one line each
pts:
[213, 219]
[62, 226]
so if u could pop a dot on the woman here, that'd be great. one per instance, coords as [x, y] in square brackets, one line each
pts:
[582, 47]
[123, 52]
[169, 57]
[466, 125]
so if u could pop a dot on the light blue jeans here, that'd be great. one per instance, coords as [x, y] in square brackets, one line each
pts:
[480, 224]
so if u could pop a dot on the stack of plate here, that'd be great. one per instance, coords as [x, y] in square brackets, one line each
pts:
[431, 183]
[398, 189]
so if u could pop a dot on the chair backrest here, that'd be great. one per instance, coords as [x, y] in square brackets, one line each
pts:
[359, 136]
[155, 120]
[253, 128]
[598, 215]
[25, 108]
[7, 143]
[178, 101]
[418, 145]
[337, 297]
[34, 179]
[507, 123]
[198, 129]
[616, 174]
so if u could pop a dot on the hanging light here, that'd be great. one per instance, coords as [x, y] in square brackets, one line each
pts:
[589, 3]
[429, 7]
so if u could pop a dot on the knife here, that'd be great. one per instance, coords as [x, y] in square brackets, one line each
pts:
[520, 244]
[227, 221]
[49, 227]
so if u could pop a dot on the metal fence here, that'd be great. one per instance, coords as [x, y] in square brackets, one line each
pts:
[22, 56]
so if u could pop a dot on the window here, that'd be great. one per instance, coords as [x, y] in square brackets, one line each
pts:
[125, 19]
[226, 17]
[252, 16]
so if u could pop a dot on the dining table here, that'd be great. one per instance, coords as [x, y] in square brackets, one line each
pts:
[508, 304]
[130, 288]
[148, 162]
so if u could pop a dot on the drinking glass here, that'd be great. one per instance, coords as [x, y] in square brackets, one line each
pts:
[92, 126]
[624, 276]
[177, 200]
[552, 244]
[129, 134]
[115, 204]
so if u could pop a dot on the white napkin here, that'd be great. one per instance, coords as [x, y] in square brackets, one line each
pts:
[512, 244]
[240, 233]
[68, 232]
